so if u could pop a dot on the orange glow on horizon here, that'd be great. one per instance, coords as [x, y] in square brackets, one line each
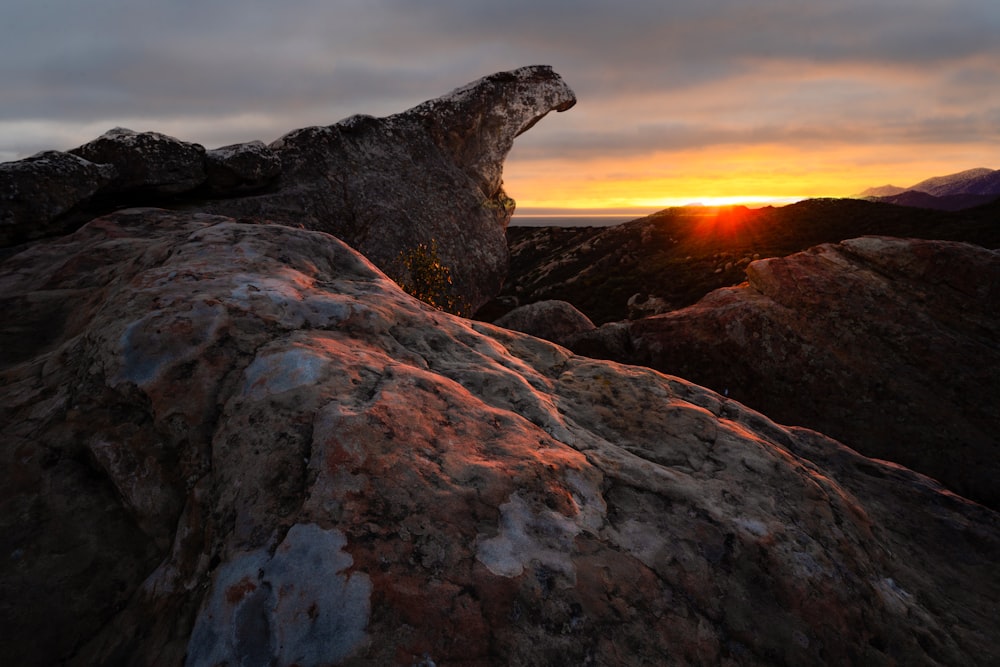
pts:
[722, 175]
[721, 221]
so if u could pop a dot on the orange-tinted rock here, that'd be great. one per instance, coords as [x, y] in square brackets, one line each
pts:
[244, 443]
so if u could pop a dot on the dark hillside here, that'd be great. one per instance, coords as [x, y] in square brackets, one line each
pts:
[917, 199]
[681, 254]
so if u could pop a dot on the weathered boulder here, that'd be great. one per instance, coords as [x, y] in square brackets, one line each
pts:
[556, 321]
[241, 168]
[147, 163]
[384, 185]
[889, 345]
[432, 173]
[232, 443]
[42, 188]
[642, 304]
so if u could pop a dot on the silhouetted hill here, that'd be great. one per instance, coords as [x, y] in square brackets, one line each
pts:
[918, 199]
[980, 181]
[953, 192]
[882, 191]
[681, 254]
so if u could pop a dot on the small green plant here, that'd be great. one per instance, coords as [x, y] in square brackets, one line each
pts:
[422, 275]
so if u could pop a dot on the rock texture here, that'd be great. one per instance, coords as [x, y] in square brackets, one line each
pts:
[241, 168]
[232, 443]
[383, 185]
[556, 321]
[889, 345]
[44, 188]
[434, 172]
[146, 163]
[643, 305]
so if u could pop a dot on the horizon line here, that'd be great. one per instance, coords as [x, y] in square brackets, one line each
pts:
[642, 210]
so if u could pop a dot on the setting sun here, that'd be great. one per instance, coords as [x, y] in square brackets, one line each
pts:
[722, 176]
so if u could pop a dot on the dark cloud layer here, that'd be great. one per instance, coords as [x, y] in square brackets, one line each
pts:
[649, 74]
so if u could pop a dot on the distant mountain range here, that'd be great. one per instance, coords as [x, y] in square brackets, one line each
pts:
[953, 192]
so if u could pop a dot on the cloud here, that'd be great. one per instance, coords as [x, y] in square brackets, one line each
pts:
[652, 77]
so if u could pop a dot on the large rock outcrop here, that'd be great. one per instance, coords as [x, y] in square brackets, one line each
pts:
[434, 172]
[887, 344]
[382, 185]
[146, 164]
[230, 443]
[39, 195]
[556, 321]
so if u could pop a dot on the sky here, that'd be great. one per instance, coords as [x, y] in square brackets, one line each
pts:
[709, 101]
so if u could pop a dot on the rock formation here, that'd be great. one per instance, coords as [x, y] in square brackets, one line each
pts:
[231, 443]
[642, 305]
[383, 185]
[556, 321]
[240, 168]
[146, 163]
[889, 345]
[39, 194]
[430, 173]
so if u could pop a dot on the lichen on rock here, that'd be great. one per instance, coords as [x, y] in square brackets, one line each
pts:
[383, 185]
[295, 462]
[297, 606]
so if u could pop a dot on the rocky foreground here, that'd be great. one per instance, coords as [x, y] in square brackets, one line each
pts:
[228, 441]
[887, 344]
[432, 173]
[243, 444]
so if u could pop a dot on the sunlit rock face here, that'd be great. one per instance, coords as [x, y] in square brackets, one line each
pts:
[231, 443]
[383, 185]
[889, 345]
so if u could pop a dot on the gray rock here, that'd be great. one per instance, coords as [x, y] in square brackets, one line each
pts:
[37, 192]
[434, 172]
[555, 321]
[148, 162]
[386, 186]
[235, 443]
[241, 168]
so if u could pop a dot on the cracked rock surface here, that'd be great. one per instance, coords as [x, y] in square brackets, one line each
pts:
[887, 344]
[385, 186]
[242, 444]
[433, 172]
